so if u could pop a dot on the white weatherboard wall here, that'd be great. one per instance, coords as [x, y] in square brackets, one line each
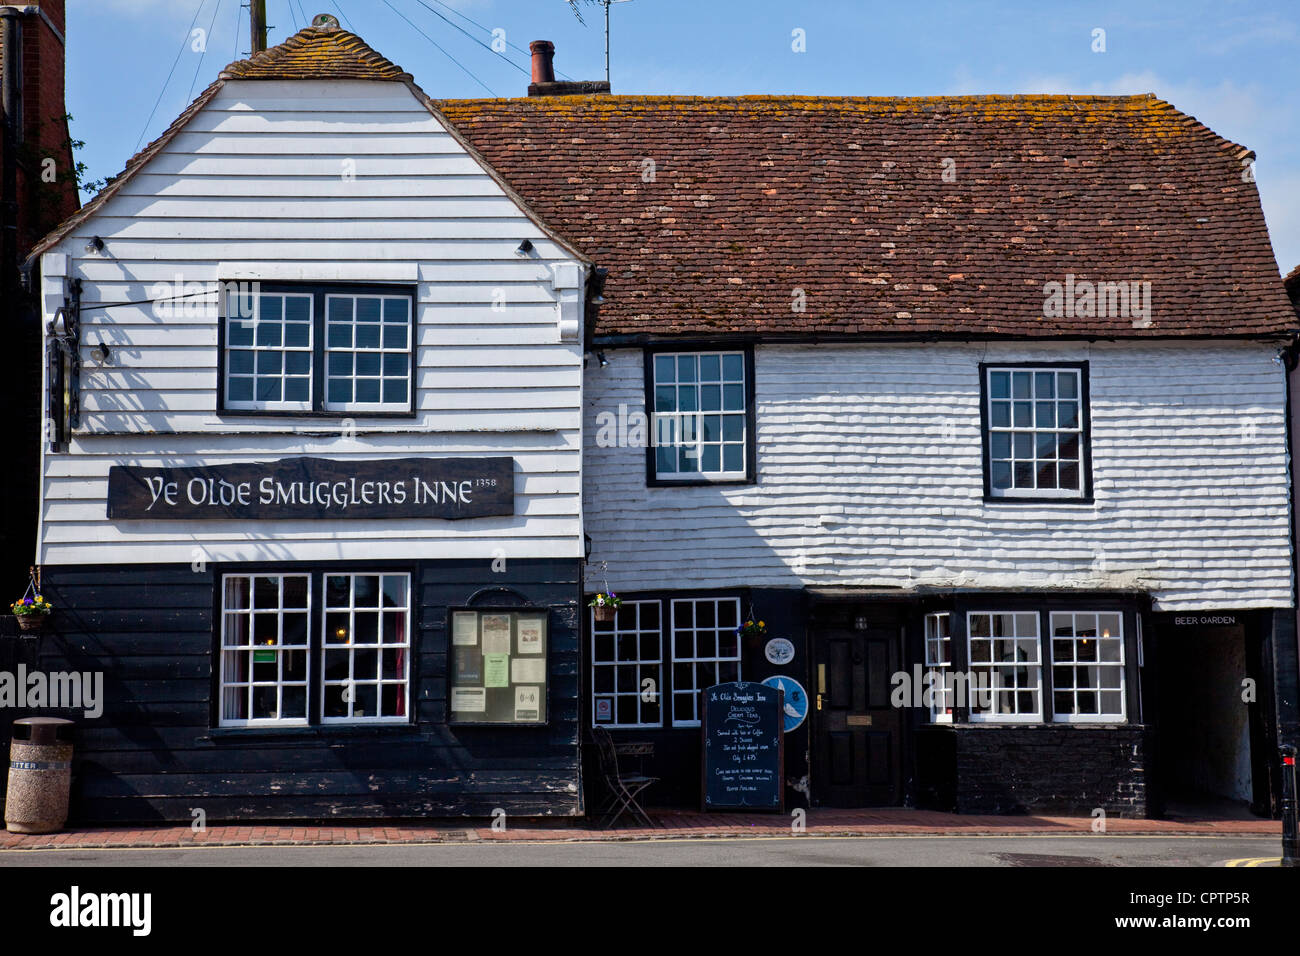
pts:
[870, 474]
[329, 181]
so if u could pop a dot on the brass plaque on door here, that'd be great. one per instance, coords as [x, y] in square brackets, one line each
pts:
[859, 720]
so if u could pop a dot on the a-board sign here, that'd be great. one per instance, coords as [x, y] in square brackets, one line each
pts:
[319, 488]
[744, 747]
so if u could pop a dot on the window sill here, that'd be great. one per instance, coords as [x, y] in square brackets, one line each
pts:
[1043, 725]
[1031, 500]
[696, 482]
[317, 732]
[256, 413]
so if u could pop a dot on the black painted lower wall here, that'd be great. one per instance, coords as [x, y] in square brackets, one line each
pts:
[1048, 768]
[156, 753]
[676, 758]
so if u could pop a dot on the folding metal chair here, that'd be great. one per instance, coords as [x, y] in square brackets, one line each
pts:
[623, 788]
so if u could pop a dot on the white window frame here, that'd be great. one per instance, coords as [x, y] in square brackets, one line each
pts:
[937, 637]
[994, 667]
[255, 350]
[381, 350]
[696, 662]
[1105, 718]
[642, 667]
[328, 647]
[678, 421]
[1033, 429]
[248, 686]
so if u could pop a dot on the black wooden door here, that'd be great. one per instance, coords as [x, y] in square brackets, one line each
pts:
[857, 759]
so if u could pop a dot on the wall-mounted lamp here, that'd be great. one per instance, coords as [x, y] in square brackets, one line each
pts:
[101, 352]
[95, 246]
[525, 248]
[600, 357]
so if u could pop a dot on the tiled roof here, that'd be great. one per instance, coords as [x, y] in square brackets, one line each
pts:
[927, 216]
[317, 53]
[711, 214]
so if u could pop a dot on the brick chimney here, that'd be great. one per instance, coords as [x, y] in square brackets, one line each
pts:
[544, 82]
[37, 191]
[42, 204]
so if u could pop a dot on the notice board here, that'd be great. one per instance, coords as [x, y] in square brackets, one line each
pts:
[744, 747]
[498, 666]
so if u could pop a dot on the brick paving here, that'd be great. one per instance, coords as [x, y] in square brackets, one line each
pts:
[667, 825]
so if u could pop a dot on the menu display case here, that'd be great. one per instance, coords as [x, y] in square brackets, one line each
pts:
[498, 666]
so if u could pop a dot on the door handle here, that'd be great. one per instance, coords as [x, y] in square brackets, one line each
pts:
[819, 701]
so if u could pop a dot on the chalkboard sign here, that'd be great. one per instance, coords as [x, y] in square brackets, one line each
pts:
[744, 747]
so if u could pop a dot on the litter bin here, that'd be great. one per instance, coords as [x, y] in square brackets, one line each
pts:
[40, 773]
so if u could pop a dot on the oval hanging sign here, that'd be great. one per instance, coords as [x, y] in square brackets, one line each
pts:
[779, 651]
[796, 699]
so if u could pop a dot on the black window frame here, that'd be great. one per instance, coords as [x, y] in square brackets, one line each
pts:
[319, 291]
[1085, 496]
[652, 478]
[667, 659]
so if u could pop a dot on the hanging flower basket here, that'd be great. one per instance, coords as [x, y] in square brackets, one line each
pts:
[32, 612]
[604, 607]
[752, 632]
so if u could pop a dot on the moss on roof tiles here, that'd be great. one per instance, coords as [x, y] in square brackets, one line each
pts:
[317, 53]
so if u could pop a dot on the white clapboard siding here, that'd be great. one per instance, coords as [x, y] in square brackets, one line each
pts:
[332, 181]
[870, 474]
[486, 421]
[284, 227]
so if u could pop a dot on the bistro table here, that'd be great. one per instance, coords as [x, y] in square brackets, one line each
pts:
[638, 749]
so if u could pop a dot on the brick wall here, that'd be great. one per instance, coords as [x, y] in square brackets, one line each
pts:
[43, 205]
[1053, 768]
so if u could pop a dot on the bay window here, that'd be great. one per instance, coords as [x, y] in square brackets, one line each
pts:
[1005, 658]
[1083, 679]
[1088, 666]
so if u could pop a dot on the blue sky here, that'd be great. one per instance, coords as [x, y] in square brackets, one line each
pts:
[1232, 64]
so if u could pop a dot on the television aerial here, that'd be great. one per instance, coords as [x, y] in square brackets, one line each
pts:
[573, 5]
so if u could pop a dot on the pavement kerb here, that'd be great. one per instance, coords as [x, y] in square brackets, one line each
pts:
[68, 840]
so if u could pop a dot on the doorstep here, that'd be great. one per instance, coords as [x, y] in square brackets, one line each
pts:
[667, 825]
